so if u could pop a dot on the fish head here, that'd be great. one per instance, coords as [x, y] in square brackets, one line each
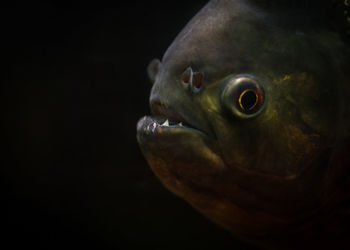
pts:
[245, 106]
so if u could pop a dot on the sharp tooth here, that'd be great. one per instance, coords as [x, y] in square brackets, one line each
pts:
[180, 124]
[154, 126]
[166, 123]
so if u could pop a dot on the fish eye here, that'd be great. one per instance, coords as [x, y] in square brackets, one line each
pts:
[243, 96]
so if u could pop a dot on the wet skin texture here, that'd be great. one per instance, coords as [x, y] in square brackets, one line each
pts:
[250, 122]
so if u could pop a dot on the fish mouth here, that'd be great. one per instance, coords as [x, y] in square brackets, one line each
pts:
[164, 119]
[171, 143]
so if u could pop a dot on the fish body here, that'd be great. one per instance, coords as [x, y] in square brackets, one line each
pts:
[250, 121]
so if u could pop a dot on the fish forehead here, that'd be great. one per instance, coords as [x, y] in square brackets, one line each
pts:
[235, 36]
[207, 42]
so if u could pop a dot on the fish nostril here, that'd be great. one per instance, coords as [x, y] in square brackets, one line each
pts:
[192, 80]
[187, 76]
[197, 80]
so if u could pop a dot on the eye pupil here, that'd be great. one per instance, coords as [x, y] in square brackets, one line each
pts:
[248, 99]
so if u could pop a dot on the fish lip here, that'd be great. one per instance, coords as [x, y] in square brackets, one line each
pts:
[162, 110]
[154, 126]
[160, 113]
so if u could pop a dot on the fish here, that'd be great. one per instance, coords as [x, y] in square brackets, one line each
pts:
[250, 120]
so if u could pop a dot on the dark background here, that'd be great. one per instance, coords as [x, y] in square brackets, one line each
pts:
[74, 85]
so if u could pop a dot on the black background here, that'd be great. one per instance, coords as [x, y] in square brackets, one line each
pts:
[74, 85]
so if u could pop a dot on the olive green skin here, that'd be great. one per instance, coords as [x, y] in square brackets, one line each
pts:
[279, 179]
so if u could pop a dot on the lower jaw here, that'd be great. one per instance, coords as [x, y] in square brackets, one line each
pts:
[247, 224]
[195, 173]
